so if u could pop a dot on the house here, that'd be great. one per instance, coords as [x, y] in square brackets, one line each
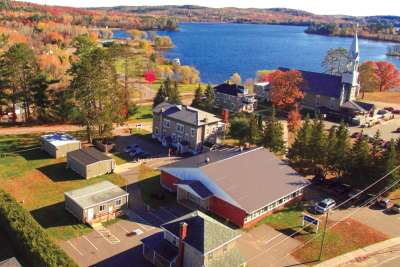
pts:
[11, 262]
[58, 145]
[97, 202]
[336, 95]
[234, 97]
[90, 162]
[194, 240]
[185, 128]
[241, 186]
[261, 89]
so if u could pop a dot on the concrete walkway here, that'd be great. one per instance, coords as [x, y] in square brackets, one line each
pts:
[346, 259]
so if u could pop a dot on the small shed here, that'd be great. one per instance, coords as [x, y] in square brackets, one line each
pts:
[90, 162]
[96, 203]
[58, 145]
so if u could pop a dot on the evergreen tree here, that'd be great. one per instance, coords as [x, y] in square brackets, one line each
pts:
[198, 98]
[387, 164]
[297, 153]
[339, 156]
[376, 148]
[273, 135]
[160, 96]
[209, 98]
[317, 144]
[173, 95]
[239, 128]
[167, 86]
[330, 149]
[41, 97]
[359, 167]
[254, 129]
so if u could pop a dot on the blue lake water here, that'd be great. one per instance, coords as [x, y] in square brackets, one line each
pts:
[218, 50]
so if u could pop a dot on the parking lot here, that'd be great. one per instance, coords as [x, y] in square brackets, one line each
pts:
[116, 244]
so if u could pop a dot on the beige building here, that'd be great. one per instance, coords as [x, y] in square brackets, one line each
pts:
[58, 145]
[185, 128]
[235, 98]
[90, 162]
[194, 240]
[96, 203]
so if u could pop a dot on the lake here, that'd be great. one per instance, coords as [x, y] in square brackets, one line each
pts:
[218, 50]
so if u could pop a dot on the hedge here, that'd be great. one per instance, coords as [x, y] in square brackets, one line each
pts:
[28, 237]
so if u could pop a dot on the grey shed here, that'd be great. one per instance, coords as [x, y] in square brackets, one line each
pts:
[58, 145]
[90, 162]
[96, 203]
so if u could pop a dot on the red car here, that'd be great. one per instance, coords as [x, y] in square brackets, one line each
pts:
[396, 111]
[397, 130]
[389, 109]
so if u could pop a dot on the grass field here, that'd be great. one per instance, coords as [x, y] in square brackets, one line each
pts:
[144, 114]
[151, 191]
[385, 97]
[183, 88]
[38, 182]
[342, 238]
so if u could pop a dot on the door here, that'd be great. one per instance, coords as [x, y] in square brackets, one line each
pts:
[90, 215]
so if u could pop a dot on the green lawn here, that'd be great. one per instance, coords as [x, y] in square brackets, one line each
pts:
[39, 183]
[151, 191]
[144, 114]
[183, 88]
[289, 217]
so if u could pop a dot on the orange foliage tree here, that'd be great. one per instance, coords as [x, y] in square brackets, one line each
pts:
[53, 38]
[286, 88]
[294, 119]
[387, 75]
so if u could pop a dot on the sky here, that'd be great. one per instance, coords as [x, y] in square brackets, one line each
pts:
[326, 7]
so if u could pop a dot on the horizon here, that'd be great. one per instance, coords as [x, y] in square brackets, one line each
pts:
[339, 7]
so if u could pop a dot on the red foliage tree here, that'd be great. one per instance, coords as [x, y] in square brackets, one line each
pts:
[149, 76]
[286, 88]
[387, 75]
[294, 120]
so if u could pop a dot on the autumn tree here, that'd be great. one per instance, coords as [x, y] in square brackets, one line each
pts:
[264, 76]
[336, 61]
[235, 78]
[368, 79]
[294, 119]
[387, 75]
[286, 88]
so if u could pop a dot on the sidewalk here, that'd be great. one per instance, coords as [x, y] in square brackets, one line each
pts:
[345, 258]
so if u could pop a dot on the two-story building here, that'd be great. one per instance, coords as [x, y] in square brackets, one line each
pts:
[240, 186]
[234, 97]
[185, 128]
[194, 240]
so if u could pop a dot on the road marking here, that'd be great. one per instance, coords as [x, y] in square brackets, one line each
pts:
[123, 228]
[270, 240]
[90, 242]
[169, 212]
[107, 235]
[76, 249]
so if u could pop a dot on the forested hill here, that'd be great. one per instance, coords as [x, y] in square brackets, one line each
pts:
[250, 15]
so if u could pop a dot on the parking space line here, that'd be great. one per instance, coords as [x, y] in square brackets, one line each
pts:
[169, 212]
[90, 242]
[76, 249]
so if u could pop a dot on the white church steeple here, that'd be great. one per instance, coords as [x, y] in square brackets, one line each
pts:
[354, 52]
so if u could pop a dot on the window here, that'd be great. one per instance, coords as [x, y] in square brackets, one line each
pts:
[102, 208]
[157, 131]
[167, 123]
[179, 138]
[193, 132]
[118, 202]
[332, 102]
[180, 128]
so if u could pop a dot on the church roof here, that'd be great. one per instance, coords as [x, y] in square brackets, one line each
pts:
[321, 83]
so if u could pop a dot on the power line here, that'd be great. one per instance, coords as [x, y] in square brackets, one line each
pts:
[305, 226]
[368, 203]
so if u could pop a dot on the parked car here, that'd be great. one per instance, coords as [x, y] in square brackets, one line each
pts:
[396, 111]
[397, 130]
[383, 203]
[354, 194]
[389, 108]
[343, 189]
[395, 208]
[131, 148]
[382, 112]
[325, 205]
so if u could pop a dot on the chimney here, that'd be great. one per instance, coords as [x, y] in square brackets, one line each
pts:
[182, 237]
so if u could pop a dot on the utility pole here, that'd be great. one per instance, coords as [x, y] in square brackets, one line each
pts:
[323, 236]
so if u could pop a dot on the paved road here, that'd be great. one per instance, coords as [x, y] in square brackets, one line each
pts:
[386, 258]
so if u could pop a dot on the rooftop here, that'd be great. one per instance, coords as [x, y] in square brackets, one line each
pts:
[95, 194]
[186, 114]
[88, 156]
[203, 232]
[230, 89]
[321, 83]
[58, 139]
[11, 262]
[250, 179]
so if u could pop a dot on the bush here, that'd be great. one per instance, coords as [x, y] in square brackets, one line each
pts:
[28, 237]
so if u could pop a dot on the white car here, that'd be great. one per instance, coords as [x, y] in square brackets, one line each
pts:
[325, 205]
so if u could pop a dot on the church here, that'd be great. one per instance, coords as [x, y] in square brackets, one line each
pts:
[336, 95]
